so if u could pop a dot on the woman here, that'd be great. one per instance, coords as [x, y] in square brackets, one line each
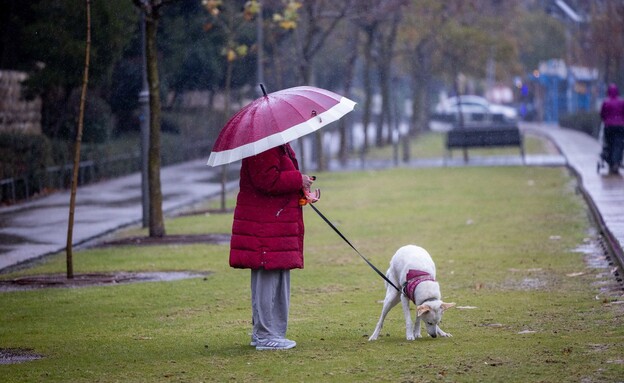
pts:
[612, 114]
[267, 237]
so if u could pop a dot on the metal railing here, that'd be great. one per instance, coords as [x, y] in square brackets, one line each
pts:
[58, 177]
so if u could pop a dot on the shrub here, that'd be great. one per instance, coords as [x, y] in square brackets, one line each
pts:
[24, 157]
[21, 152]
[586, 122]
[98, 120]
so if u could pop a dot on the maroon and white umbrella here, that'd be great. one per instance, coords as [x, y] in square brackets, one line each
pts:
[276, 119]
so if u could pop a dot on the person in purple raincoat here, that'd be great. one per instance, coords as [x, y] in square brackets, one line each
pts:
[612, 114]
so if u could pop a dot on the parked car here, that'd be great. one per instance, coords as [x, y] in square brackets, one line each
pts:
[474, 109]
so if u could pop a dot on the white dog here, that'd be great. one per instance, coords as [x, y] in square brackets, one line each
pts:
[412, 268]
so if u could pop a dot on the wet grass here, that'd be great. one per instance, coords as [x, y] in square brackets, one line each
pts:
[503, 241]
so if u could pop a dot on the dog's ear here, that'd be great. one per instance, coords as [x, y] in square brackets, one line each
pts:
[445, 306]
[423, 309]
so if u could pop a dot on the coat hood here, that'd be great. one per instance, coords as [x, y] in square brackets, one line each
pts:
[613, 91]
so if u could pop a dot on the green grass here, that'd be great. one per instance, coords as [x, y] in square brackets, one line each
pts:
[502, 239]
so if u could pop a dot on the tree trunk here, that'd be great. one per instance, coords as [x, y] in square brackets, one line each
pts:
[368, 87]
[74, 185]
[388, 93]
[226, 112]
[353, 43]
[156, 219]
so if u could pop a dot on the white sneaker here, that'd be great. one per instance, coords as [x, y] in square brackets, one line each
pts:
[254, 341]
[275, 344]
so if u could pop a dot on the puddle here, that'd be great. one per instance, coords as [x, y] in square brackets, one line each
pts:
[17, 355]
[598, 260]
[94, 279]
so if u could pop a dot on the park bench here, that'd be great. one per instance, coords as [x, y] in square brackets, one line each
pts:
[483, 135]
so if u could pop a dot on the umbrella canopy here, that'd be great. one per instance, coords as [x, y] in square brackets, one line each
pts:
[275, 119]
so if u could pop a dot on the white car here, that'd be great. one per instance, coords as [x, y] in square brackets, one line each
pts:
[474, 109]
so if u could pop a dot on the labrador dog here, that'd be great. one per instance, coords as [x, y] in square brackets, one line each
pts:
[412, 268]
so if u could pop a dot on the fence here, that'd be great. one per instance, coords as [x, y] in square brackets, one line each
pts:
[59, 177]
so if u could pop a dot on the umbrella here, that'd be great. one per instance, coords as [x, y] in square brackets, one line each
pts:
[276, 119]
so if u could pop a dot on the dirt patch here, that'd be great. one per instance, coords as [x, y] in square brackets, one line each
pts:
[17, 355]
[94, 279]
[99, 279]
[213, 238]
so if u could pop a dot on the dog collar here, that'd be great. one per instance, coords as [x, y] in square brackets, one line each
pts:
[413, 279]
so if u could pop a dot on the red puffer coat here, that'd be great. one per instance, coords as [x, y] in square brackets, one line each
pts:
[267, 232]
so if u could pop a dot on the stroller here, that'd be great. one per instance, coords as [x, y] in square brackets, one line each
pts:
[604, 153]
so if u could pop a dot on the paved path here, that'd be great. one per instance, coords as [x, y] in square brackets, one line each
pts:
[604, 193]
[39, 227]
[36, 228]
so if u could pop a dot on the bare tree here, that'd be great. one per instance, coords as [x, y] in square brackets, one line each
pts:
[151, 10]
[607, 37]
[371, 17]
[74, 185]
[387, 37]
[232, 22]
[352, 44]
[466, 44]
[321, 18]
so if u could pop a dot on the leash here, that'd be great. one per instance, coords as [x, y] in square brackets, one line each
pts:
[353, 247]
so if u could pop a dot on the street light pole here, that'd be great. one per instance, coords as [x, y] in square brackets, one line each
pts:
[145, 123]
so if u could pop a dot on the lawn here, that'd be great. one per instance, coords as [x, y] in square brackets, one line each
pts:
[431, 145]
[504, 240]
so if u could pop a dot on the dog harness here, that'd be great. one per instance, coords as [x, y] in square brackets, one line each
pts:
[413, 279]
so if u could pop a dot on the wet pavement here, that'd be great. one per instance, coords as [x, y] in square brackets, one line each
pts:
[604, 193]
[36, 228]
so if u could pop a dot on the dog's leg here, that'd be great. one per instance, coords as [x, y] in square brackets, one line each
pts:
[442, 333]
[410, 330]
[392, 298]
[417, 328]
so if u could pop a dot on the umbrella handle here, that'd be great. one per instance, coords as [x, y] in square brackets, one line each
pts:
[308, 196]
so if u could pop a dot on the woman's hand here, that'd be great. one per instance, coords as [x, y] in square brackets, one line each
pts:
[307, 181]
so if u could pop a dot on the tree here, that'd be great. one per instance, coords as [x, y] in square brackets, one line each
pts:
[540, 38]
[351, 46]
[191, 45]
[51, 40]
[468, 42]
[417, 42]
[322, 18]
[233, 24]
[371, 18]
[386, 46]
[607, 37]
[151, 10]
[74, 185]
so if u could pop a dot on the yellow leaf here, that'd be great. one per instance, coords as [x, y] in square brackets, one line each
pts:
[242, 50]
[252, 7]
[287, 24]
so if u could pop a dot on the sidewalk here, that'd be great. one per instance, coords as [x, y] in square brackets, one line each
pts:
[604, 194]
[36, 228]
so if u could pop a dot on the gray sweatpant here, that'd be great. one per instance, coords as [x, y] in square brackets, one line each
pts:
[270, 300]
